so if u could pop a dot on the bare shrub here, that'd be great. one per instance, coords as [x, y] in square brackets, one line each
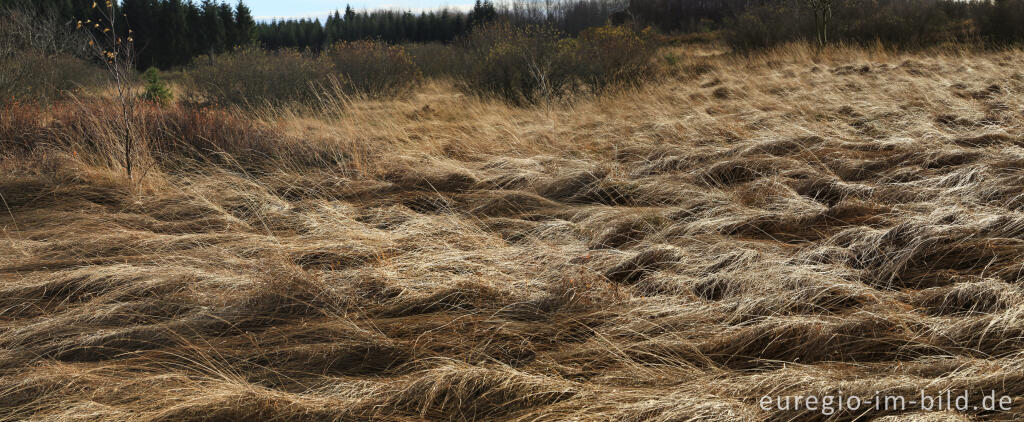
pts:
[434, 59]
[253, 77]
[38, 61]
[518, 64]
[24, 29]
[608, 56]
[33, 76]
[909, 23]
[373, 68]
[531, 64]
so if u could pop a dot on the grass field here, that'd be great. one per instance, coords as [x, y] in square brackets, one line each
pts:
[786, 224]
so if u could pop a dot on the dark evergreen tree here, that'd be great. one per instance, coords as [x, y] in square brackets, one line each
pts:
[211, 29]
[174, 47]
[226, 18]
[245, 26]
[482, 12]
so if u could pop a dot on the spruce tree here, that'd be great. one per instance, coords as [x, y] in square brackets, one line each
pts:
[245, 25]
[212, 28]
[226, 16]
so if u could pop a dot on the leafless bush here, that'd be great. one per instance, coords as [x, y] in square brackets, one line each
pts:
[254, 77]
[40, 58]
[374, 68]
[530, 64]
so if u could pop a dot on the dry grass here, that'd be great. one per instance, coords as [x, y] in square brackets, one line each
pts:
[786, 224]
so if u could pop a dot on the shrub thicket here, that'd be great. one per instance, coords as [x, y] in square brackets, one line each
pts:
[608, 56]
[33, 76]
[434, 59]
[252, 77]
[38, 61]
[529, 64]
[762, 27]
[373, 68]
[519, 64]
[897, 23]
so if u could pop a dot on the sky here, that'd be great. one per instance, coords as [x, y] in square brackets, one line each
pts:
[270, 9]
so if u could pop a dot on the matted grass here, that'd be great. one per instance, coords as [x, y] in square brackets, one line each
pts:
[790, 224]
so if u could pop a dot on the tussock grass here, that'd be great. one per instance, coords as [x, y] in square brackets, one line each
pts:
[789, 223]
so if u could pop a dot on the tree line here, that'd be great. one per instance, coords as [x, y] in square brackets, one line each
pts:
[442, 25]
[386, 25]
[744, 24]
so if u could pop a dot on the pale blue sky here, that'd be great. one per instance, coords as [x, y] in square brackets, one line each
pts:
[269, 9]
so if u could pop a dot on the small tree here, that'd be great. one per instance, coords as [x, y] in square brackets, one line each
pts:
[156, 90]
[118, 55]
